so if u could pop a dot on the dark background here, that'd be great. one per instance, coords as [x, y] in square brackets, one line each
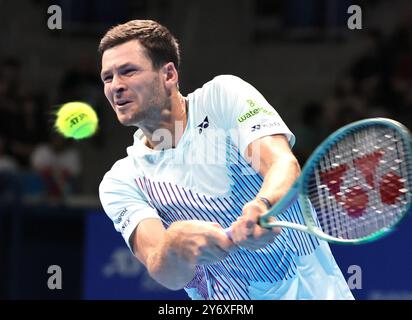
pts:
[316, 72]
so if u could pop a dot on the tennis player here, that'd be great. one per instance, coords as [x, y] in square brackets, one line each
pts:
[218, 157]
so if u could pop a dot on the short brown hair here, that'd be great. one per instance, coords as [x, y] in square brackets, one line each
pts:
[161, 46]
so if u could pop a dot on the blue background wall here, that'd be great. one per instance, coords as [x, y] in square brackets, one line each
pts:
[110, 269]
[380, 270]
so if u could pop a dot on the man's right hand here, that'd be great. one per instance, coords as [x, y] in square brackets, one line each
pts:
[199, 242]
[171, 255]
[245, 231]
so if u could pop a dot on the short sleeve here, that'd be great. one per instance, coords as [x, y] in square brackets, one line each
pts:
[124, 203]
[246, 113]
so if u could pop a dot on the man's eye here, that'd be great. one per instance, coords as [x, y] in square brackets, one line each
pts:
[129, 71]
[107, 79]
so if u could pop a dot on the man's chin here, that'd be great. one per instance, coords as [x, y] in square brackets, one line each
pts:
[127, 122]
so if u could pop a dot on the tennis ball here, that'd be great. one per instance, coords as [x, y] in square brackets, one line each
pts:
[76, 120]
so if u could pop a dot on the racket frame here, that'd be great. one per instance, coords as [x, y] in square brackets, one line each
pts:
[298, 189]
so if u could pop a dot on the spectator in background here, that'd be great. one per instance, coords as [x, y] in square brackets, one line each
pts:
[312, 130]
[30, 128]
[9, 181]
[371, 62]
[369, 74]
[381, 77]
[58, 163]
[22, 116]
[345, 105]
[401, 79]
[8, 105]
[10, 70]
[80, 82]
[7, 163]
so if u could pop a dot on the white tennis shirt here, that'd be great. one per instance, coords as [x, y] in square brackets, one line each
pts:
[206, 178]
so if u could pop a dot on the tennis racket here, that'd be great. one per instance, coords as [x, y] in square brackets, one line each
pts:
[355, 187]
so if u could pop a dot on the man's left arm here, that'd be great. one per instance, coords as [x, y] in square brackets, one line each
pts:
[272, 157]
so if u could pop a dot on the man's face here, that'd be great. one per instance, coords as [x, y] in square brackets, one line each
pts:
[134, 89]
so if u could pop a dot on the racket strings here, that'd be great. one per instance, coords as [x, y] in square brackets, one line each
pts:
[357, 192]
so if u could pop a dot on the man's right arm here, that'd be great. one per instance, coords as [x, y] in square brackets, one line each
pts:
[170, 255]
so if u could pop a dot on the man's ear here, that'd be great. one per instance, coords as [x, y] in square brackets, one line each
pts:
[170, 74]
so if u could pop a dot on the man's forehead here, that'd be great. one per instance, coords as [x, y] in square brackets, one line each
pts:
[125, 51]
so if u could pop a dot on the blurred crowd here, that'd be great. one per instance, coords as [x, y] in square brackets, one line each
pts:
[32, 155]
[378, 83]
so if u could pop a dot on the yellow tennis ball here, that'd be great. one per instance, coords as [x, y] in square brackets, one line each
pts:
[76, 120]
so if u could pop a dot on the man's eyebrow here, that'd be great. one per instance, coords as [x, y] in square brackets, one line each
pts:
[125, 65]
[122, 66]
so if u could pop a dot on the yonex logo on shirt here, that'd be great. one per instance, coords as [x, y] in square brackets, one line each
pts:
[203, 125]
[255, 127]
[264, 125]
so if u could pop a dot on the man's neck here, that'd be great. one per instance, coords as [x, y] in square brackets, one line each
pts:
[167, 132]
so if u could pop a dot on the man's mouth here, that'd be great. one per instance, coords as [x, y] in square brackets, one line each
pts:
[121, 103]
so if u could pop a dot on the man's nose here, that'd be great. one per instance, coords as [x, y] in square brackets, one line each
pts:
[118, 84]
